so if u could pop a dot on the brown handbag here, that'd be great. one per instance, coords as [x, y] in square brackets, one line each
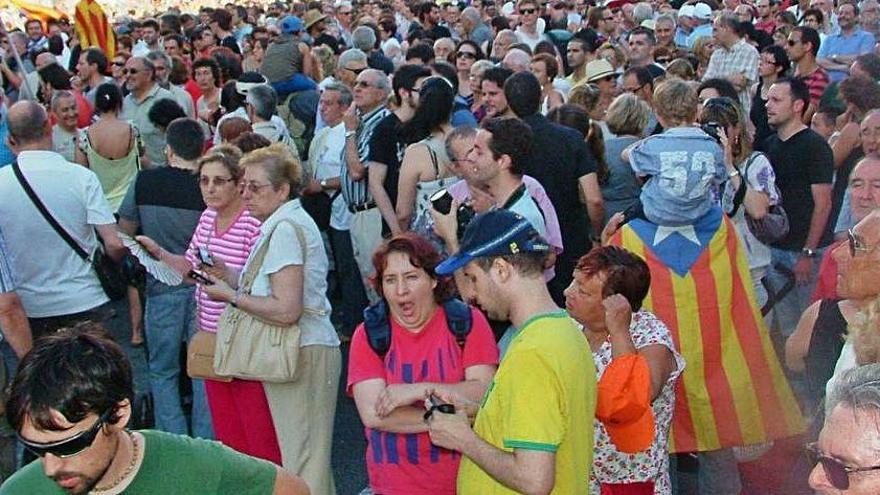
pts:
[200, 357]
[250, 348]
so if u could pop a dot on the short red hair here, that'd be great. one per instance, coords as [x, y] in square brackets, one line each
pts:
[625, 273]
[421, 253]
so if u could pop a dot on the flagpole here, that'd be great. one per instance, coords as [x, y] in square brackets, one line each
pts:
[24, 79]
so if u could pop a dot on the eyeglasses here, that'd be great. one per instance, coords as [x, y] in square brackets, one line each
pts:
[836, 471]
[856, 243]
[472, 56]
[793, 42]
[348, 12]
[206, 181]
[68, 447]
[633, 90]
[362, 84]
[527, 11]
[356, 71]
[119, 64]
[252, 186]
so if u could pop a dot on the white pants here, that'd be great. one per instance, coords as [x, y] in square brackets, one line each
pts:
[366, 235]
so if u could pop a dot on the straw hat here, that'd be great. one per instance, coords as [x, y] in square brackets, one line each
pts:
[313, 16]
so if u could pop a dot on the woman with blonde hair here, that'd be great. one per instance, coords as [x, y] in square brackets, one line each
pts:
[703, 48]
[288, 274]
[627, 118]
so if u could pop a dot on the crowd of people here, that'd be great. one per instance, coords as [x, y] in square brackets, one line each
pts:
[568, 247]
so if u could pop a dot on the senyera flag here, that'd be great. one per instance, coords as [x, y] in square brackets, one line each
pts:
[93, 27]
[39, 12]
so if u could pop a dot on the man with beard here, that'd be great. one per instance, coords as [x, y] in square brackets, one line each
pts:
[838, 51]
[527, 436]
[140, 79]
[77, 428]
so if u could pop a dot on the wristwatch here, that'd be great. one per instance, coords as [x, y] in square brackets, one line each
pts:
[809, 253]
[349, 134]
[733, 173]
[323, 183]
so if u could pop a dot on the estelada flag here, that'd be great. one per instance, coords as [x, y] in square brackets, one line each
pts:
[732, 391]
[39, 12]
[93, 28]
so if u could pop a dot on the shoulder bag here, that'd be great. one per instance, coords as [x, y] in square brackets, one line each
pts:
[771, 227]
[250, 348]
[109, 272]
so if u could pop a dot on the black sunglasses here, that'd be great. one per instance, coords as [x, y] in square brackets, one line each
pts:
[472, 56]
[793, 42]
[356, 71]
[527, 11]
[836, 471]
[68, 447]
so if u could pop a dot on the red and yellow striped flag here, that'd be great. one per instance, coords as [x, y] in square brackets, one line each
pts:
[39, 12]
[93, 27]
[733, 391]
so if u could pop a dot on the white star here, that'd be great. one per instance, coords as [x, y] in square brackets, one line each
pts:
[686, 231]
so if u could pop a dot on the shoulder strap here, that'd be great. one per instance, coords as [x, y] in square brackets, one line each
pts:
[458, 319]
[743, 185]
[434, 163]
[377, 326]
[247, 279]
[48, 216]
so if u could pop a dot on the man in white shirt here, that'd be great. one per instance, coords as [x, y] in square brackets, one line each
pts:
[325, 163]
[56, 286]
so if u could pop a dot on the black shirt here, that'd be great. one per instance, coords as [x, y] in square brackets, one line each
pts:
[560, 157]
[387, 147]
[229, 42]
[377, 60]
[799, 162]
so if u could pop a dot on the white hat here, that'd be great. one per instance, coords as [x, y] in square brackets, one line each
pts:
[648, 24]
[686, 11]
[702, 11]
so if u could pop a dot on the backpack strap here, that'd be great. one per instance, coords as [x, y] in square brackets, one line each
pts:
[378, 328]
[377, 325]
[458, 319]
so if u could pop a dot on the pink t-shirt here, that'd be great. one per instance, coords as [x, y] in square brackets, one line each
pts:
[408, 464]
[232, 246]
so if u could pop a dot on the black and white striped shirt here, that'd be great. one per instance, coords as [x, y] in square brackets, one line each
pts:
[357, 192]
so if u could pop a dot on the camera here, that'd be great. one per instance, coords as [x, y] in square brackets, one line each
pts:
[442, 202]
[712, 128]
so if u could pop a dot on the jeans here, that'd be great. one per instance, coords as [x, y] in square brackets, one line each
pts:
[169, 323]
[787, 311]
[719, 474]
[351, 287]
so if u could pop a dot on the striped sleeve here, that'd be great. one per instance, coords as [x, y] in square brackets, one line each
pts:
[7, 283]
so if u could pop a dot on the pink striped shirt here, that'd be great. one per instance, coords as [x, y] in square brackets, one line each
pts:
[231, 246]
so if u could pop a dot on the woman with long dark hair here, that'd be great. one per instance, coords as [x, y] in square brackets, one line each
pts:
[425, 166]
[774, 65]
[466, 54]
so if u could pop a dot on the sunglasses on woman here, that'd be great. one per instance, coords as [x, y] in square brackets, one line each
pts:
[472, 56]
[836, 472]
[68, 447]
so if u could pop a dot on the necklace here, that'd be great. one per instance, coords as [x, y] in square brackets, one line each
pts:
[131, 465]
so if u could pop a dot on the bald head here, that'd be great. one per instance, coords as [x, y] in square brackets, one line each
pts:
[516, 60]
[28, 124]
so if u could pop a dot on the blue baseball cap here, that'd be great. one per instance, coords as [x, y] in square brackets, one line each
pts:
[291, 24]
[494, 233]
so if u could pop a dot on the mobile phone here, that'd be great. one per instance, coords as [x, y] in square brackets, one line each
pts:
[205, 256]
[442, 201]
[198, 277]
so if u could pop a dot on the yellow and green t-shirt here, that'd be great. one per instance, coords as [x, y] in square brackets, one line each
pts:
[543, 397]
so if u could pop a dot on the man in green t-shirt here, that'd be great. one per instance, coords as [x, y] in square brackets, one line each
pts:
[528, 434]
[70, 403]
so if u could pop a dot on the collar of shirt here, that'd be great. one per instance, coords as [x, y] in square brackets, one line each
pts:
[283, 211]
[149, 94]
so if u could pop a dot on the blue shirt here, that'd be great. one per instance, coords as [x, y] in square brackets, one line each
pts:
[685, 166]
[858, 43]
[699, 32]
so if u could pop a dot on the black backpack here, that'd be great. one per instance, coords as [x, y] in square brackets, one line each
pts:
[378, 327]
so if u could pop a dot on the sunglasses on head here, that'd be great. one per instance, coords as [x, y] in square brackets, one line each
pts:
[720, 101]
[527, 11]
[68, 447]
[836, 471]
